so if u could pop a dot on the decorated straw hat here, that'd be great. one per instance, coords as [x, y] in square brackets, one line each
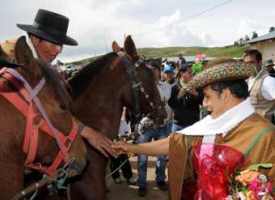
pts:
[231, 70]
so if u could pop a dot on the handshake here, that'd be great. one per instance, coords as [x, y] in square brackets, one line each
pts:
[107, 147]
[154, 148]
[122, 147]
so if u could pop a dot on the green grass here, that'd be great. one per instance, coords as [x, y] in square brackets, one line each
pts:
[217, 52]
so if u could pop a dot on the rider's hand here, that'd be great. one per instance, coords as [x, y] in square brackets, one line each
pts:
[98, 141]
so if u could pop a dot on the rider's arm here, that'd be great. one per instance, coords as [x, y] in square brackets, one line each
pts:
[158, 147]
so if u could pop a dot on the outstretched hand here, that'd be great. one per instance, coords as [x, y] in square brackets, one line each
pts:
[120, 147]
[98, 141]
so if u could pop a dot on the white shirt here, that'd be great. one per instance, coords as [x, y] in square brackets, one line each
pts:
[30, 44]
[124, 128]
[165, 90]
[268, 87]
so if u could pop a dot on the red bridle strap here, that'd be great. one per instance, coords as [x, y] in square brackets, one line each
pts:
[34, 123]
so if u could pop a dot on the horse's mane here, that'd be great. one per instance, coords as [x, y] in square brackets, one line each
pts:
[83, 77]
[53, 78]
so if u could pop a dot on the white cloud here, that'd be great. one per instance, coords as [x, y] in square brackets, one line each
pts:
[96, 23]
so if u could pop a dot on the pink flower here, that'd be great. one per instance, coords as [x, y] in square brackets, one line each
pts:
[269, 187]
[255, 185]
[259, 187]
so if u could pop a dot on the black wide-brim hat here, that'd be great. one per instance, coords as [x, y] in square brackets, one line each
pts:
[50, 26]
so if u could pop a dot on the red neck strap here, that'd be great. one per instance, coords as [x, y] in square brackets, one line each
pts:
[36, 124]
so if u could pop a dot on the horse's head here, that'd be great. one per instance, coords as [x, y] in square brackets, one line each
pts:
[54, 101]
[144, 96]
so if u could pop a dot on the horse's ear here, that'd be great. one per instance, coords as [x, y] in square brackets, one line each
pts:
[130, 48]
[3, 55]
[116, 48]
[23, 53]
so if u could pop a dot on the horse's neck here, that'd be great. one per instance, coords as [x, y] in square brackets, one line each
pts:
[100, 108]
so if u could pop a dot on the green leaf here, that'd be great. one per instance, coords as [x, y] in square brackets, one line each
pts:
[244, 190]
[256, 167]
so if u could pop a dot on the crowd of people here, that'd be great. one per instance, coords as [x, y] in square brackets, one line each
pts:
[215, 110]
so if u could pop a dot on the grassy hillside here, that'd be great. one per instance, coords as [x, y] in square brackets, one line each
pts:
[229, 51]
[217, 52]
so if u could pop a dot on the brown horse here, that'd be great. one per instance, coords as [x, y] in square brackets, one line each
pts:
[13, 123]
[100, 91]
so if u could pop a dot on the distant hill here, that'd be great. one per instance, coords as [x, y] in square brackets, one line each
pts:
[217, 52]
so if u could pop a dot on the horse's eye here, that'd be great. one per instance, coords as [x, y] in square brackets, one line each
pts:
[62, 107]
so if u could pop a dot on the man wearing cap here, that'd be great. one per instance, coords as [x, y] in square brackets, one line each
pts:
[261, 86]
[45, 38]
[232, 137]
[169, 74]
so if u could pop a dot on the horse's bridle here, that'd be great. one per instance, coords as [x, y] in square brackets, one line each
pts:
[26, 101]
[137, 87]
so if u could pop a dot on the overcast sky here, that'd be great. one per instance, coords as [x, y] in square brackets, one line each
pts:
[152, 23]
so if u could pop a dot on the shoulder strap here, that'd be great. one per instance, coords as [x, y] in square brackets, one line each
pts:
[257, 138]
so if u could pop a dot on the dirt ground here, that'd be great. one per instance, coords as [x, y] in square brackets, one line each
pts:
[124, 192]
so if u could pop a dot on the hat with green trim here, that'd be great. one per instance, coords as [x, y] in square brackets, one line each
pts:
[231, 70]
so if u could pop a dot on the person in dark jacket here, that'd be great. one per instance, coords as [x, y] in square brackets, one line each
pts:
[187, 108]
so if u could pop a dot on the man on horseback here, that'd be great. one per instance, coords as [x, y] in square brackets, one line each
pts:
[45, 38]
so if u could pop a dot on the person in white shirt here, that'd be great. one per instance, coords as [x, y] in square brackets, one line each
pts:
[261, 86]
[148, 132]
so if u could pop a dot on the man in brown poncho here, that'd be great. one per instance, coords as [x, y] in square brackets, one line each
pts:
[233, 136]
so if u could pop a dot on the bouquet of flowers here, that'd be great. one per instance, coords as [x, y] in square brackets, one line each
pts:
[251, 184]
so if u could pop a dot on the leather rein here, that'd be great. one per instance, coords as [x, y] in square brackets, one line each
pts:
[138, 88]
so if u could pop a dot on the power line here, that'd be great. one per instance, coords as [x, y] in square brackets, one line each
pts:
[197, 15]
[208, 10]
